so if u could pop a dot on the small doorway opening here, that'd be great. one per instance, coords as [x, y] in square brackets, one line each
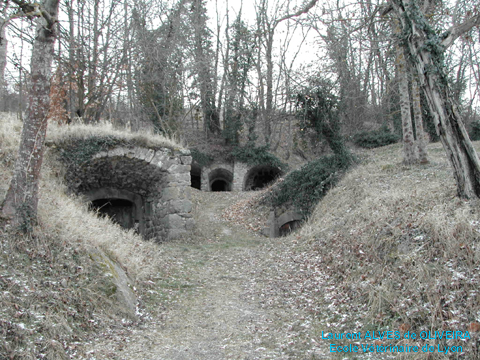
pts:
[220, 185]
[120, 211]
[261, 176]
[288, 227]
[196, 177]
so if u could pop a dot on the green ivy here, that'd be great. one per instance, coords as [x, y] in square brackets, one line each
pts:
[304, 188]
[432, 44]
[252, 155]
[76, 151]
[317, 108]
[375, 138]
[475, 131]
[201, 158]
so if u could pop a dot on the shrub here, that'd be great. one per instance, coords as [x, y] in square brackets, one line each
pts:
[317, 109]
[252, 155]
[375, 138]
[201, 158]
[304, 188]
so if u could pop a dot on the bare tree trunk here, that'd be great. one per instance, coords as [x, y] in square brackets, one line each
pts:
[22, 197]
[417, 115]
[409, 155]
[447, 119]
[71, 58]
[3, 54]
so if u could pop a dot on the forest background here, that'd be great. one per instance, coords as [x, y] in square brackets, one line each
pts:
[170, 65]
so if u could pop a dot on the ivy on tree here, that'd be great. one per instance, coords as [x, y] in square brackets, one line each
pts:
[318, 109]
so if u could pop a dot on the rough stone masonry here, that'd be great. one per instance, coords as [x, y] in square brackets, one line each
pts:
[155, 181]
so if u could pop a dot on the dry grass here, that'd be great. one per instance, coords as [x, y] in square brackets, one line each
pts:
[69, 219]
[59, 134]
[396, 248]
[53, 295]
[390, 248]
[10, 129]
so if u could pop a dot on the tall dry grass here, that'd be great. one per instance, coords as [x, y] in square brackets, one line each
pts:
[53, 295]
[398, 250]
[60, 133]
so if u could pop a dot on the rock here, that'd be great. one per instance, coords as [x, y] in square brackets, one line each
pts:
[126, 297]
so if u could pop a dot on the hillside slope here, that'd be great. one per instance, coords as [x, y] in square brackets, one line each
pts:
[390, 248]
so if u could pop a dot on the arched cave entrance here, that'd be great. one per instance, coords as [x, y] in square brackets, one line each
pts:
[220, 180]
[120, 211]
[140, 188]
[260, 176]
[288, 227]
[196, 176]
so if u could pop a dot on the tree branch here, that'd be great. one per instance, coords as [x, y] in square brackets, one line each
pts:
[305, 10]
[458, 30]
[35, 10]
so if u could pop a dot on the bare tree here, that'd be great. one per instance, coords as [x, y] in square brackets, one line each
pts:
[409, 153]
[4, 19]
[266, 27]
[204, 67]
[421, 142]
[21, 200]
[425, 47]
[93, 55]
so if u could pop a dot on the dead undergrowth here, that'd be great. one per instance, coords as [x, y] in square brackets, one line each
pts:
[390, 248]
[53, 296]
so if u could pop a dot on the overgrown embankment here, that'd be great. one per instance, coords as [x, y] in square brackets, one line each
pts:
[391, 247]
[395, 250]
[55, 294]
[388, 248]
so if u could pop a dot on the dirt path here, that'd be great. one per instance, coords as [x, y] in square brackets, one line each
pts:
[212, 303]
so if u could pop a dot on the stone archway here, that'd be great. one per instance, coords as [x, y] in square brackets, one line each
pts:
[283, 224]
[288, 222]
[156, 183]
[220, 180]
[260, 176]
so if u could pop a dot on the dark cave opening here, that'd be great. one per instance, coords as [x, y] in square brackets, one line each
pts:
[261, 176]
[196, 177]
[119, 211]
[288, 227]
[220, 185]
[220, 180]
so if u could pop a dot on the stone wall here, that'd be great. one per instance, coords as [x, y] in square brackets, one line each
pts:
[240, 171]
[157, 181]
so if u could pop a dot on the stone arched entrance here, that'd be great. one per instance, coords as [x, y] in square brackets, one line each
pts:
[288, 222]
[260, 176]
[220, 180]
[283, 224]
[144, 188]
